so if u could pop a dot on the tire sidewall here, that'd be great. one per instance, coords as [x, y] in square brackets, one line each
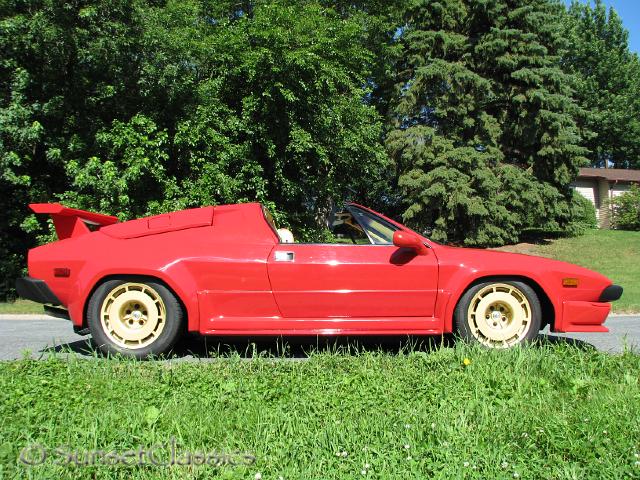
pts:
[460, 314]
[167, 338]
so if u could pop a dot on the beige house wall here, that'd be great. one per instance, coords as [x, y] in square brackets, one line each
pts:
[604, 218]
[588, 188]
[600, 192]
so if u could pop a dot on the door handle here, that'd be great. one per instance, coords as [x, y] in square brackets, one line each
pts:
[284, 256]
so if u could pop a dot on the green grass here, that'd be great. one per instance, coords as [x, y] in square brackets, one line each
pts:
[20, 306]
[551, 411]
[615, 254]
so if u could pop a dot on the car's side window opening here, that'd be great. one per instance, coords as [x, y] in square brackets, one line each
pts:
[355, 226]
[345, 229]
[351, 226]
[284, 234]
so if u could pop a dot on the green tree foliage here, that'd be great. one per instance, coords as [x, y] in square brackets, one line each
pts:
[264, 103]
[608, 86]
[485, 136]
[130, 108]
[64, 69]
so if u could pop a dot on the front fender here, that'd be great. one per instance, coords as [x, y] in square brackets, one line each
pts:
[458, 283]
[461, 267]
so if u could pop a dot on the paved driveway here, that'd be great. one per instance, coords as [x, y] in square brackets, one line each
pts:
[40, 336]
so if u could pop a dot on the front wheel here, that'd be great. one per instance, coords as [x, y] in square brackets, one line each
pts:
[135, 317]
[499, 314]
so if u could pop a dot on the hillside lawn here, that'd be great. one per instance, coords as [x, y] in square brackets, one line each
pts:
[615, 254]
[551, 410]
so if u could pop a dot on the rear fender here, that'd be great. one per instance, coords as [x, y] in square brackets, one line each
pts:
[178, 280]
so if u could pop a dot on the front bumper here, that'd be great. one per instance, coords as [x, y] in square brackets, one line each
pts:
[584, 316]
[36, 290]
[581, 316]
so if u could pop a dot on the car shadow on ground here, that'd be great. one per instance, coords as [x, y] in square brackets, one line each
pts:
[544, 338]
[83, 347]
[301, 347]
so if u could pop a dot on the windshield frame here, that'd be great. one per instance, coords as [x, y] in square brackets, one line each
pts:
[355, 209]
[428, 242]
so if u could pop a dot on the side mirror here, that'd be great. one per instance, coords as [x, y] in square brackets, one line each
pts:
[410, 240]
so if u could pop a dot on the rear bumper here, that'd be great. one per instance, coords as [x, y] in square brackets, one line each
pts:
[36, 290]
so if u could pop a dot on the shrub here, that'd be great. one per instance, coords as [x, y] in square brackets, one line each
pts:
[583, 215]
[625, 210]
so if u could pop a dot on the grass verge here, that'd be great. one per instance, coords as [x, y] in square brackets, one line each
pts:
[613, 253]
[551, 411]
[21, 306]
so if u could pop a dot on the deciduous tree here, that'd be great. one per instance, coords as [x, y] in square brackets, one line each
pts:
[608, 86]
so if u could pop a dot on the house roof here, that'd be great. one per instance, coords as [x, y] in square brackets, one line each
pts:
[611, 174]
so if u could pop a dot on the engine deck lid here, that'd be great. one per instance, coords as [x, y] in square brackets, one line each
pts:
[166, 222]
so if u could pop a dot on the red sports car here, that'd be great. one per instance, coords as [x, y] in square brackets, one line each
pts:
[227, 270]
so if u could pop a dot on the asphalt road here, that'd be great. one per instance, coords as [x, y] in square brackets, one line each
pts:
[40, 336]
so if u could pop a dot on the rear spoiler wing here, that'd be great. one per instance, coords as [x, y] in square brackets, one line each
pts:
[70, 222]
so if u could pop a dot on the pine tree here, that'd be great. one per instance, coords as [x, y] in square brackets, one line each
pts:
[485, 137]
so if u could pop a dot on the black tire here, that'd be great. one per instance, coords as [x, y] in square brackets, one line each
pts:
[172, 323]
[465, 316]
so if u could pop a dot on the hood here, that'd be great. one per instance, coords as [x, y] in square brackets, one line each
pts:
[505, 263]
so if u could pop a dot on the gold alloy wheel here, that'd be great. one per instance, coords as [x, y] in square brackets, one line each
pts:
[133, 315]
[499, 315]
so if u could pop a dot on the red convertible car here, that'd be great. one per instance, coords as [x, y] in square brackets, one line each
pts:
[136, 286]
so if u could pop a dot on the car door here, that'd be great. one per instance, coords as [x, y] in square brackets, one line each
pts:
[356, 281]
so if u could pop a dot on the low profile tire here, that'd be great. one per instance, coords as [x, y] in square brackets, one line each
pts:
[498, 314]
[135, 317]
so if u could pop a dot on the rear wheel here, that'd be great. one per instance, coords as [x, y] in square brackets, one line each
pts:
[136, 317]
[499, 314]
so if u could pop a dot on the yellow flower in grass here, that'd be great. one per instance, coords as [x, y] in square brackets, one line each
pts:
[466, 362]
